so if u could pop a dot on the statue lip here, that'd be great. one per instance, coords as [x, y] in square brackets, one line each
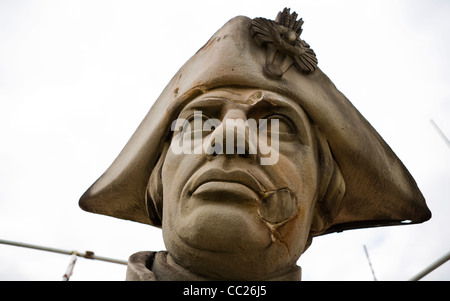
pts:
[234, 176]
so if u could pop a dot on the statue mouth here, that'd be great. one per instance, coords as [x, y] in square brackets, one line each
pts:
[226, 192]
[220, 180]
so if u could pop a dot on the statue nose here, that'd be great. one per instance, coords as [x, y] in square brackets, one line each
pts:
[234, 137]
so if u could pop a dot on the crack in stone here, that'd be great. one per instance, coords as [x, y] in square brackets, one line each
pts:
[278, 206]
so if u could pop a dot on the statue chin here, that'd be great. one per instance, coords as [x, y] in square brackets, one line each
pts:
[227, 242]
[223, 228]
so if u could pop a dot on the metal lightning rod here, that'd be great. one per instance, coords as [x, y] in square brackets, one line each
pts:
[370, 264]
[440, 133]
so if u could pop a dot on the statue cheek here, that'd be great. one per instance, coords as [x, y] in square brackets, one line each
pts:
[277, 205]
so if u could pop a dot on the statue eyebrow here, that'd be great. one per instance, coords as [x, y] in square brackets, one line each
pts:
[210, 105]
[208, 101]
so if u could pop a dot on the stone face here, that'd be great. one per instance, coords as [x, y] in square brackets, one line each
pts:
[234, 214]
[248, 154]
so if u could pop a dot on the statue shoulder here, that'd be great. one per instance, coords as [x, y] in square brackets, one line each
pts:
[139, 266]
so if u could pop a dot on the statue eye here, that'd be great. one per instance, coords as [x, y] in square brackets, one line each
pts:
[197, 119]
[274, 122]
[199, 123]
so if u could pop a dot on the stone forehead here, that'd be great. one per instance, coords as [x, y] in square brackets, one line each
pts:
[248, 96]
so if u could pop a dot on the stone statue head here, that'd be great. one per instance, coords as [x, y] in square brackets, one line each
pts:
[249, 153]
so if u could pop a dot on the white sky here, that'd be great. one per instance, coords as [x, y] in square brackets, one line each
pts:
[77, 78]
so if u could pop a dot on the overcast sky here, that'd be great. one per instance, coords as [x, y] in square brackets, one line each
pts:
[77, 78]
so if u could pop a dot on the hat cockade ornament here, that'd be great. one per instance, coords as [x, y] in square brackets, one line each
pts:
[283, 44]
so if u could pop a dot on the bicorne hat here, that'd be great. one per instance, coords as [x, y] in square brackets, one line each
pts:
[269, 55]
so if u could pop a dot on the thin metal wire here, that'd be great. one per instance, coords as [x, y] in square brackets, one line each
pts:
[431, 267]
[91, 255]
[87, 254]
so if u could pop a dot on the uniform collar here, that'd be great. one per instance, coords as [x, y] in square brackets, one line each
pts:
[158, 266]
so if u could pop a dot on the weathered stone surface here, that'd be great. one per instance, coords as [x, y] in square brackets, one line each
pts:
[248, 154]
